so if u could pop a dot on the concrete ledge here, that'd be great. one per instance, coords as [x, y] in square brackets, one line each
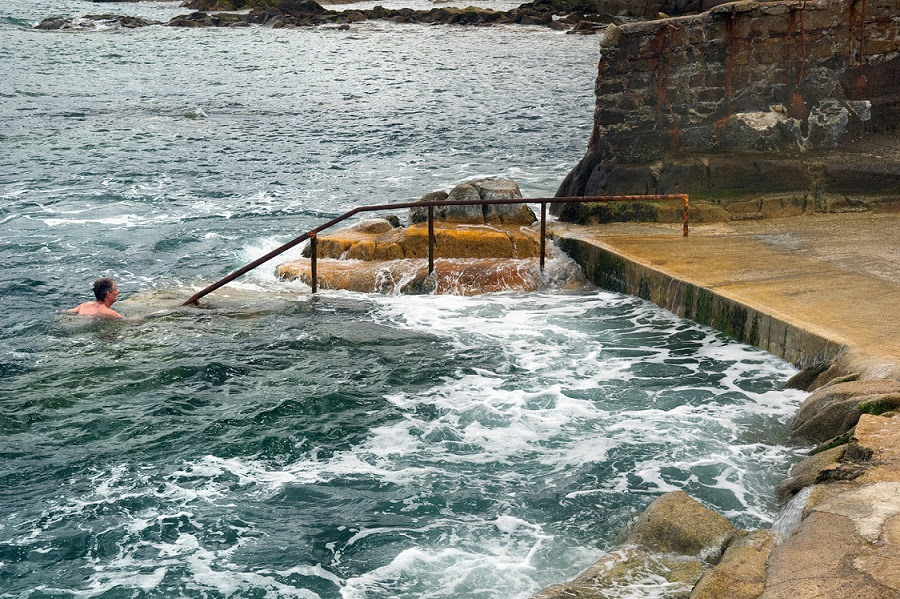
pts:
[616, 271]
[808, 289]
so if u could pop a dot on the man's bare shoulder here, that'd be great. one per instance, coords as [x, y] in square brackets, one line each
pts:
[95, 310]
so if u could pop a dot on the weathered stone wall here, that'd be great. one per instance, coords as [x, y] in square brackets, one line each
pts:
[749, 97]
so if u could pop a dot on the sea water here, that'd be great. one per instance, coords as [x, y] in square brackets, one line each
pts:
[274, 444]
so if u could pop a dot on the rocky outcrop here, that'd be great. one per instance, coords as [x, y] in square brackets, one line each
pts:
[472, 191]
[94, 22]
[478, 248]
[848, 541]
[673, 543]
[834, 409]
[757, 109]
[576, 16]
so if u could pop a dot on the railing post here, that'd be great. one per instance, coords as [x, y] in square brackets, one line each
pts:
[313, 250]
[685, 226]
[543, 232]
[430, 239]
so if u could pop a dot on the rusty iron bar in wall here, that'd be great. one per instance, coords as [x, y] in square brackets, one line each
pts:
[311, 235]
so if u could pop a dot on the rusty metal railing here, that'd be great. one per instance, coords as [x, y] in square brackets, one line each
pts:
[312, 234]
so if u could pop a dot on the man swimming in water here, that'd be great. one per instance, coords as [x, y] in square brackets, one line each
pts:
[106, 292]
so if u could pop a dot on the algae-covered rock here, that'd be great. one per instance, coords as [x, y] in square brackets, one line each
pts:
[834, 408]
[676, 523]
[741, 573]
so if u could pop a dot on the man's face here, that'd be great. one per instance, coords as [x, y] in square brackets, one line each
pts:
[113, 294]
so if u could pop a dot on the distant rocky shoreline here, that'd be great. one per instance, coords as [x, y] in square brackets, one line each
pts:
[573, 16]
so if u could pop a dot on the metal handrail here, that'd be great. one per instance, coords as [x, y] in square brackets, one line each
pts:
[311, 235]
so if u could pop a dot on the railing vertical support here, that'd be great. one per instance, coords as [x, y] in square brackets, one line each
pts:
[543, 233]
[430, 239]
[685, 218]
[313, 275]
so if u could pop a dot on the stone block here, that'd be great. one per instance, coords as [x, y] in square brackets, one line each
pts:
[854, 172]
[684, 176]
[676, 523]
[630, 179]
[783, 206]
[741, 574]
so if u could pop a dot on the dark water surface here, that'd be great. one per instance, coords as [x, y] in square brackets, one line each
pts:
[348, 445]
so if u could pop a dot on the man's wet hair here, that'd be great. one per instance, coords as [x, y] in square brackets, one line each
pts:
[102, 287]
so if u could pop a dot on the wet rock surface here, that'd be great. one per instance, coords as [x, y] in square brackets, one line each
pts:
[677, 523]
[472, 191]
[849, 539]
[834, 409]
[672, 542]
[741, 573]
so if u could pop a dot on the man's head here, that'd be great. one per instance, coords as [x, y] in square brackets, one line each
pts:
[103, 287]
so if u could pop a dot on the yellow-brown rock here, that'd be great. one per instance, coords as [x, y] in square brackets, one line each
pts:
[804, 474]
[741, 574]
[458, 276]
[451, 241]
[849, 540]
[629, 569]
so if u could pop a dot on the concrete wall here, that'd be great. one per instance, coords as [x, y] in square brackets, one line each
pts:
[750, 98]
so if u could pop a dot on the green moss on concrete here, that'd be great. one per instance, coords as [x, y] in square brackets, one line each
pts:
[644, 289]
[689, 300]
[704, 311]
[731, 319]
[753, 337]
[609, 272]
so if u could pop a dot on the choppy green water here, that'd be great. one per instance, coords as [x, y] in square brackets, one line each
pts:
[272, 444]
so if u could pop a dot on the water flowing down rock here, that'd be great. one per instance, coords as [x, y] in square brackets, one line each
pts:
[453, 277]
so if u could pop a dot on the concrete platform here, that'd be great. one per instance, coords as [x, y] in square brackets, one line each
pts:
[809, 289]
